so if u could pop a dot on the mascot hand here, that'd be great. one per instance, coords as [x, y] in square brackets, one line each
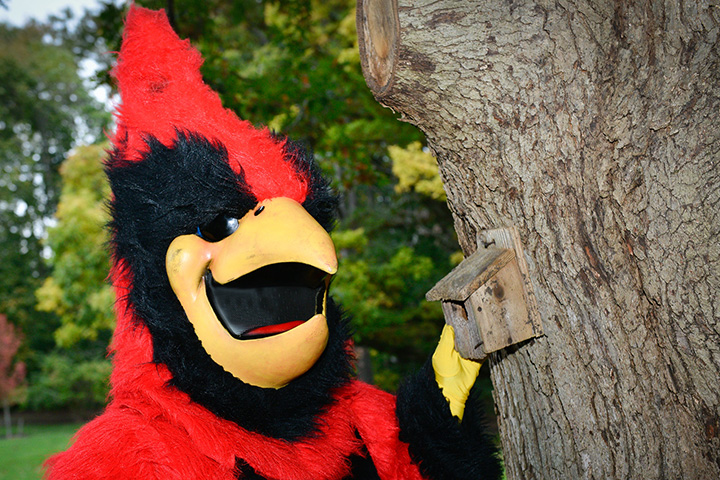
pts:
[454, 374]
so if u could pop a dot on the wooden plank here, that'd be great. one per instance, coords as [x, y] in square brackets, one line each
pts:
[468, 342]
[472, 272]
[509, 237]
[499, 310]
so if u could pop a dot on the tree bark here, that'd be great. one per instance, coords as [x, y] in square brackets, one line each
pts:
[593, 128]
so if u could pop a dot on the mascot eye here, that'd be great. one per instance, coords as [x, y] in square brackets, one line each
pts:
[218, 228]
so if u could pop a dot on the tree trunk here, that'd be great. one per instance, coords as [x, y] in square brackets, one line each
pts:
[593, 128]
[7, 419]
[364, 364]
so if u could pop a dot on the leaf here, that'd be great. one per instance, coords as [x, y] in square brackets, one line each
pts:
[417, 170]
[76, 290]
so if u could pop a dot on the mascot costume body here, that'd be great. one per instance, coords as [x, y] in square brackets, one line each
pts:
[230, 360]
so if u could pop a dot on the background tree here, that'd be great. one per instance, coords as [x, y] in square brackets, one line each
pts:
[75, 375]
[592, 127]
[76, 289]
[44, 110]
[12, 372]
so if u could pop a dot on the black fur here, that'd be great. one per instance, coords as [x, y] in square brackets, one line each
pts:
[168, 194]
[321, 202]
[361, 468]
[444, 448]
[245, 471]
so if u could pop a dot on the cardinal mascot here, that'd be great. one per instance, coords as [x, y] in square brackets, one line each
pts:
[230, 360]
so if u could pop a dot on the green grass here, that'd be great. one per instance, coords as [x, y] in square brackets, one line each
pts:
[21, 458]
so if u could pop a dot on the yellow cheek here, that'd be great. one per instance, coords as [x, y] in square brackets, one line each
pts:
[270, 362]
[186, 262]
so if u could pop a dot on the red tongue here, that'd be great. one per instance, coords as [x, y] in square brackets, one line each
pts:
[272, 329]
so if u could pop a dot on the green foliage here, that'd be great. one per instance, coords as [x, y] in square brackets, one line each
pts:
[389, 285]
[65, 382]
[44, 107]
[416, 170]
[76, 289]
[385, 270]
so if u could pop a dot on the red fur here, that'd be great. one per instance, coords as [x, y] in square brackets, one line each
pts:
[162, 90]
[153, 431]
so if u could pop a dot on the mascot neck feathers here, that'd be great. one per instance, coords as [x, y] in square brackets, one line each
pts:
[230, 359]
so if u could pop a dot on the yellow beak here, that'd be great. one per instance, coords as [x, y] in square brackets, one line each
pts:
[278, 231]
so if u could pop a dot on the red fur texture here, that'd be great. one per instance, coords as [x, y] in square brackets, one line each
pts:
[162, 90]
[151, 431]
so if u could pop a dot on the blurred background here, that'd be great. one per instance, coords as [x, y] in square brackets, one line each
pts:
[291, 65]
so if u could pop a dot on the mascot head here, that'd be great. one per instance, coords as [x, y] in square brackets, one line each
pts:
[220, 243]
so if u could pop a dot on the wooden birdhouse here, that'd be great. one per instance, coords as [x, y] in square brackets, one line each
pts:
[488, 298]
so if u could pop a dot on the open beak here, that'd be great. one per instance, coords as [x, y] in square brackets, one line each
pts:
[257, 298]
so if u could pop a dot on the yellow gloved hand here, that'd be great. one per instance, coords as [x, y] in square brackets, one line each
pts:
[454, 374]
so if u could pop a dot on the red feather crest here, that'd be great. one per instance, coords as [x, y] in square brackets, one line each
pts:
[162, 91]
